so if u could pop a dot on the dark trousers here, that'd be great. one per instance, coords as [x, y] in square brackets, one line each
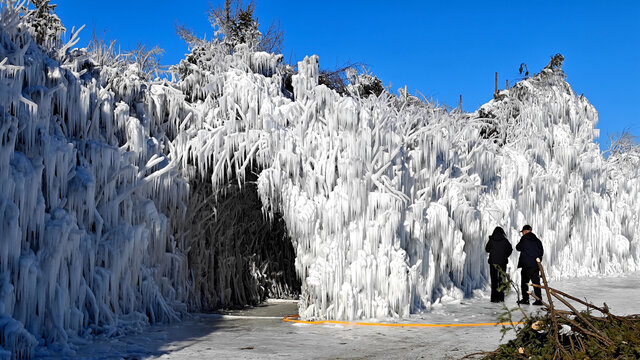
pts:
[496, 280]
[530, 274]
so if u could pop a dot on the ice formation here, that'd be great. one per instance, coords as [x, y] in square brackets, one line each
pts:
[109, 182]
[86, 244]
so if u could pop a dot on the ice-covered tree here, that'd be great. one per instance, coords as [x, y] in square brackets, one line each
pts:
[86, 197]
[364, 83]
[147, 60]
[556, 62]
[236, 24]
[623, 143]
[43, 21]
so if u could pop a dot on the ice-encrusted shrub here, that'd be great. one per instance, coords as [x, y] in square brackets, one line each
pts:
[86, 250]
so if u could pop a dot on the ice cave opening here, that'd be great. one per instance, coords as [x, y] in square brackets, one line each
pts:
[241, 257]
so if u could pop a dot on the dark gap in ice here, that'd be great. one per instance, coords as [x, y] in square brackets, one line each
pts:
[238, 257]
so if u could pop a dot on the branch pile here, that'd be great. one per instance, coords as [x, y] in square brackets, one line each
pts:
[571, 334]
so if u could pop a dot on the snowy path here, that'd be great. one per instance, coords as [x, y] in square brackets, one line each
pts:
[247, 336]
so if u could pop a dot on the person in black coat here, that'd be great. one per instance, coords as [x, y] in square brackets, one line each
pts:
[530, 248]
[499, 249]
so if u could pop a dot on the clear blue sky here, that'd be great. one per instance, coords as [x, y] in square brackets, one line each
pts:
[441, 49]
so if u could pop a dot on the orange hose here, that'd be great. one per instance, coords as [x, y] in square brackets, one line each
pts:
[294, 319]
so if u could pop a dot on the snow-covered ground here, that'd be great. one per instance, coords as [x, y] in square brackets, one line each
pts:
[259, 333]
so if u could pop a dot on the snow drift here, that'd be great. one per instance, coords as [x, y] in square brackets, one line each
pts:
[387, 200]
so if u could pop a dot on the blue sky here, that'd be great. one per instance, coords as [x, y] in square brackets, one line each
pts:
[441, 49]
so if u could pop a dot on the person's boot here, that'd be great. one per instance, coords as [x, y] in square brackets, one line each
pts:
[523, 302]
[537, 303]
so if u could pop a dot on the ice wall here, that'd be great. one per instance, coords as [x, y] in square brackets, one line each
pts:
[388, 200]
[86, 244]
[553, 176]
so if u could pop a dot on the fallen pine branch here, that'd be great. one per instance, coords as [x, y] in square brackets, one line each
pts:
[571, 334]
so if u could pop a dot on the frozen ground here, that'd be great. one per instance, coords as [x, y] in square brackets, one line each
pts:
[259, 333]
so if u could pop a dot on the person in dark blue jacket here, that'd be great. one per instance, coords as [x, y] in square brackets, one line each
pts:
[530, 248]
[499, 249]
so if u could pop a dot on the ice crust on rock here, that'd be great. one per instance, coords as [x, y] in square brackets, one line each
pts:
[388, 200]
